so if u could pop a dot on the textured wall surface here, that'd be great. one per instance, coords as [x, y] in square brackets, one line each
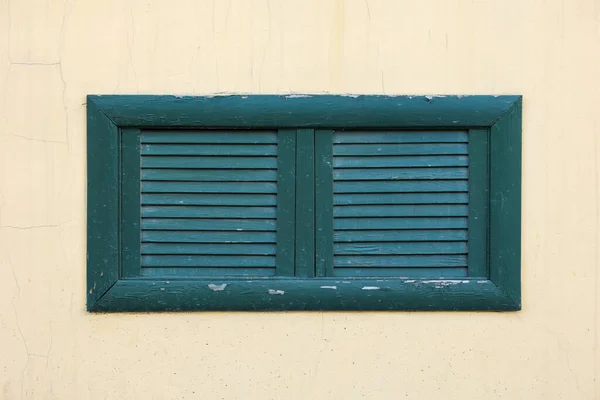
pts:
[53, 53]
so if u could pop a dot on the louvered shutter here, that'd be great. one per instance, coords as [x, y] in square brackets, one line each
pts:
[397, 204]
[210, 203]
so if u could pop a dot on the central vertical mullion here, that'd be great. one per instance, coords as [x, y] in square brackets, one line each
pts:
[305, 203]
[286, 201]
[324, 207]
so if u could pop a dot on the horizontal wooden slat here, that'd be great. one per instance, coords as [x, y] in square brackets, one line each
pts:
[209, 224]
[400, 161]
[405, 198]
[422, 272]
[207, 212]
[390, 174]
[401, 211]
[208, 261]
[399, 248]
[207, 237]
[399, 223]
[209, 162]
[157, 272]
[212, 248]
[208, 187]
[231, 175]
[397, 236]
[399, 186]
[221, 199]
[211, 150]
[400, 137]
[401, 261]
[215, 136]
[398, 149]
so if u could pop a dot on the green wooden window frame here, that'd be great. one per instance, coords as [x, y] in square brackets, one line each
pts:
[305, 124]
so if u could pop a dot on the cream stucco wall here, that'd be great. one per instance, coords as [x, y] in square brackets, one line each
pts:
[53, 53]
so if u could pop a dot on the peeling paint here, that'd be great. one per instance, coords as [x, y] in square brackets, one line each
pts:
[370, 288]
[354, 96]
[329, 287]
[217, 288]
[430, 97]
[276, 291]
[446, 281]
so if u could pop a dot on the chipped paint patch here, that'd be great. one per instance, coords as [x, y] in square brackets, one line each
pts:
[297, 96]
[217, 288]
[354, 96]
[410, 281]
[371, 288]
[446, 281]
[346, 282]
[276, 291]
[329, 287]
[482, 281]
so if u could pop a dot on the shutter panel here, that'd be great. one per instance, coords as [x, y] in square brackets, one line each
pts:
[209, 203]
[400, 203]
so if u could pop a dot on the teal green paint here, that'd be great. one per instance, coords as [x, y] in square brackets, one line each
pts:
[478, 202]
[404, 136]
[207, 199]
[418, 210]
[384, 174]
[223, 162]
[304, 294]
[401, 186]
[286, 202]
[226, 150]
[102, 204]
[406, 198]
[324, 202]
[416, 235]
[391, 248]
[130, 202]
[187, 238]
[106, 114]
[505, 204]
[207, 212]
[402, 149]
[206, 224]
[207, 237]
[399, 261]
[400, 223]
[209, 187]
[305, 203]
[321, 111]
[209, 248]
[202, 273]
[200, 261]
[211, 137]
[407, 272]
[401, 161]
[199, 175]
[383, 235]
